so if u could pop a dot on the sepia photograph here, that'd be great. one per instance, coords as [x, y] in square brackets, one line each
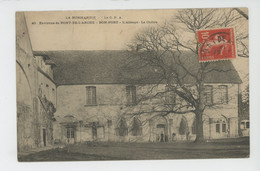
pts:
[157, 84]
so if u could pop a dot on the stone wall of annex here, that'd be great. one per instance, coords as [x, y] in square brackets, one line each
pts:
[111, 108]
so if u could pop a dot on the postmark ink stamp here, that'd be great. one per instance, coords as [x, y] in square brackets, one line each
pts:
[216, 44]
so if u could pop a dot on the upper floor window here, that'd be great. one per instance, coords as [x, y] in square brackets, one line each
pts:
[208, 95]
[131, 95]
[91, 95]
[223, 94]
[170, 96]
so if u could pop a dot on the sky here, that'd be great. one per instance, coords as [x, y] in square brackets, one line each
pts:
[89, 36]
[64, 36]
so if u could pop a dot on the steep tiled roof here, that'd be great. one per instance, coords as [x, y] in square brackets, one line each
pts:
[111, 67]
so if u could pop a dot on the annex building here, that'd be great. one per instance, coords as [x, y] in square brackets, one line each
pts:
[97, 100]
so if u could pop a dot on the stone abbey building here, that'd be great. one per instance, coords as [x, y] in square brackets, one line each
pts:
[98, 101]
[77, 96]
[36, 92]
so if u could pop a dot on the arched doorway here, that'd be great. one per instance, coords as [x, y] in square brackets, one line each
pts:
[159, 129]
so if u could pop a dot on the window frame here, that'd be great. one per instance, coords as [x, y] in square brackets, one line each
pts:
[210, 93]
[131, 95]
[242, 125]
[136, 131]
[224, 127]
[91, 96]
[247, 125]
[109, 123]
[170, 96]
[183, 126]
[223, 96]
[70, 132]
[122, 128]
[193, 127]
[217, 127]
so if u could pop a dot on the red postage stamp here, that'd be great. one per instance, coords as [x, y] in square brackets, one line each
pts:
[216, 44]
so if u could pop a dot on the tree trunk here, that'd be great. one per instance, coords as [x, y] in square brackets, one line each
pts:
[199, 127]
[199, 113]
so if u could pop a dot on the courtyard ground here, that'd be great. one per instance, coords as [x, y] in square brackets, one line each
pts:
[89, 151]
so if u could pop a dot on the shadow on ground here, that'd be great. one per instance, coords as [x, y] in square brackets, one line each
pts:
[89, 151]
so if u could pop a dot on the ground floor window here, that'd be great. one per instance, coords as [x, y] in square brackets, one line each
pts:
[122, 129]
[224, 127]
[244, 124]
[70, 132]
[247, 124]
[109, 123]
[136, 127]
[194, 127]
[94, 130]
[218, 128]
[183, 129]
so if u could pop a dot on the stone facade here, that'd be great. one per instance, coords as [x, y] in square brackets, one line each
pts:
[36, 93]
[111, 118]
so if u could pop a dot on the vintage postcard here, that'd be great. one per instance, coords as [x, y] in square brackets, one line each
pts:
[132, 84]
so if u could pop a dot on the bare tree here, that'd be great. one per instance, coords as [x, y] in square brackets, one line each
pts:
[242, 13]
[242, 36]
[172, 51]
